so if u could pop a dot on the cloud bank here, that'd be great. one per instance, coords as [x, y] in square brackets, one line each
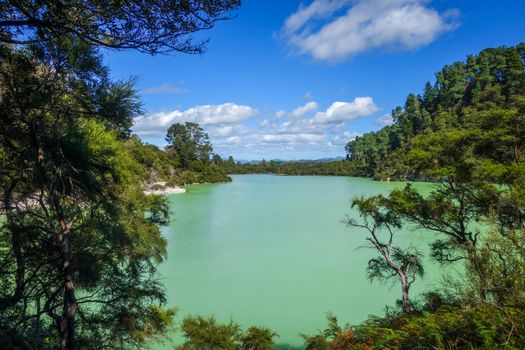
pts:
[305, 130]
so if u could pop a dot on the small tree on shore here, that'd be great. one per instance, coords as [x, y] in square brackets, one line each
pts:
[393, 261]
[189, 143]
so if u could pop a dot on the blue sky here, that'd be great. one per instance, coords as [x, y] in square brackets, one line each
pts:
[297, 80]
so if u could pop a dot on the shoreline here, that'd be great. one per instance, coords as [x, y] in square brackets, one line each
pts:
[160, 188]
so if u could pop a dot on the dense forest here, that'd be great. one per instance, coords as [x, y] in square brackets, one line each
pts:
[477, 101]
[306, 167]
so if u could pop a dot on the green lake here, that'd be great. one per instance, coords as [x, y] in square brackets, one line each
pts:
[272, 251]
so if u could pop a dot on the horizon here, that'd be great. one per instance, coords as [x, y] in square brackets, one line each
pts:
[298, 80]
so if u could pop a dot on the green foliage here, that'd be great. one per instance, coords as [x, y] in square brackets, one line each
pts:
[148, 26]
[80, 243]
[258, 338]
[158, 165]
[466, 133]
[474, 107]
[333, 337]
[188, 143]
[79, 240]
[333, 168]
[447, 328]
[381, 224]
[206, 333]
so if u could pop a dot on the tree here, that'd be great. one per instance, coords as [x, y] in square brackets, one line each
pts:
[147, 26]
[188, 143]
[75, 215]
[217, 160]
[467, 96]
[258, 338]
[333, 337]
[206, 333]
[393, 261]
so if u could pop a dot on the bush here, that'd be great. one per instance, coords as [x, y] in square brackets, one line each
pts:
[206, 333]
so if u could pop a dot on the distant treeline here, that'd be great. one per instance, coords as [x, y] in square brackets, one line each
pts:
[336, 168]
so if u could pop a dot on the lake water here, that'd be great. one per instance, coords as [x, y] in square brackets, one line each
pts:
[272, 251]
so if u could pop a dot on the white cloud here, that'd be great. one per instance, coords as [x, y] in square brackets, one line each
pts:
[219, 114]
[350, 136]
[165, 88]
[265, 122]
[228, 130]
[302, 110]
[338, 127]
[300, 126]
[280, 114]
[290, 138]
[317, 9]
[344, 111]
[156, 124]
[385, 120]
[232, 140]
[363, 26]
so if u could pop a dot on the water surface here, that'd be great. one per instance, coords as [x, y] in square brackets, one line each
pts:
[272, 251]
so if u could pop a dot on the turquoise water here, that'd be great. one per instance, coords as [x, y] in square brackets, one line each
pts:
[272, 251]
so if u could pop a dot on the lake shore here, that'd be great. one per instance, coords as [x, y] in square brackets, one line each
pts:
[160, 188]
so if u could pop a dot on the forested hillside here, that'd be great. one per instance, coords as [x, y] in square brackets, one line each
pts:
[479, 99]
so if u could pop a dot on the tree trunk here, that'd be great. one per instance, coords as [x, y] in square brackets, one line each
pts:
[477, 266]
[67, 321]
[405, 287]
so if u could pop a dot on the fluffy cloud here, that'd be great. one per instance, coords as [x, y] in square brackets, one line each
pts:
[317, 9]
[299, 126]
[156, 124]
[302, 110]
[364, 25]
[232, 140]
[280, 114]
[344, 111]
[228, 130]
